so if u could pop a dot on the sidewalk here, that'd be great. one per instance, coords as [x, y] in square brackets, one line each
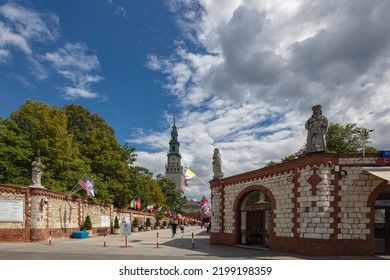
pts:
[143, 246]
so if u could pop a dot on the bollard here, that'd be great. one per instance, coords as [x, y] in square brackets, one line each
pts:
[125, 240]
[193, 241]
[49, 237]
[157, 239]
[105, 239]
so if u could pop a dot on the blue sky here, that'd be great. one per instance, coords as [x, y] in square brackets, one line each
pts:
[240, 75]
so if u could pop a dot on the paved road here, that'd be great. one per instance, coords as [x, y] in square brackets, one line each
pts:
[143, 246]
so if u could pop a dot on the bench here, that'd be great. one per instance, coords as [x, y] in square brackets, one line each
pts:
[102, 231]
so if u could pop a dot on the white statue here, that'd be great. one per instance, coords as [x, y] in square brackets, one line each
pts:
[217, 164]
[37, 170]
[317, 128]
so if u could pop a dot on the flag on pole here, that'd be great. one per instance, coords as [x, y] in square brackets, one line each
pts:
[150, 208]
[132, 203]
[84, 184]
[138, 204]
[188, 175]
[203, 202]
[91, 186]
[159, 209]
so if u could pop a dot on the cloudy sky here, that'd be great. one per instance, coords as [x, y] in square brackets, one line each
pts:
[240, 75]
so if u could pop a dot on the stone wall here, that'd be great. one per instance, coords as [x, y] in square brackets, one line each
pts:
[59, 217]
[315, 208]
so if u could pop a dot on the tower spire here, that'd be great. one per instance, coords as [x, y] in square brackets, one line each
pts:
[173, 168]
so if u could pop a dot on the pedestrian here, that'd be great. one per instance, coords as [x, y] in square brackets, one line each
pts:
[174, 226]
[208, 227]
[182, 228]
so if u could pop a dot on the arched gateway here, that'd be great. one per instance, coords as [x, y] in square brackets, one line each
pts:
[254, 207]
[320, 204]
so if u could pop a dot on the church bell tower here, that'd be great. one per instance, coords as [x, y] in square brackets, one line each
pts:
[173, 168]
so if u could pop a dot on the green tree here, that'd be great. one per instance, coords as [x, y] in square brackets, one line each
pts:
[174, 199]
[143, 185]
[45, 129]
[271, 163]
[87, 223]
[99, 149]
[15, 153]
[347, 139]
[116, 222]
[289, 158]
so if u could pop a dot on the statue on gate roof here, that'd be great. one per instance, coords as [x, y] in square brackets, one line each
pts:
[217, 164]
[317, 128]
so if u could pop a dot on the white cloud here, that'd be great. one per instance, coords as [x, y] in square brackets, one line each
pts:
[4, 55]
[121, 11]
[75, 64]
[21, 28]
[72, 93]
[262, 66]
[29, 24]
[9, 39]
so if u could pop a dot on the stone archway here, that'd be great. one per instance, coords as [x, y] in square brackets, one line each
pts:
[379, 203]
[254, 214]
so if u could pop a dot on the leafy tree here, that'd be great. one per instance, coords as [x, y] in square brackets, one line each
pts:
[116, 222]
[289, 158]
[346, 139]
[88, 223]
[148, 223]
[45, 129]
[15, 153]
[100, 150]
[130, 155]
[271, 163]
[135, 223]
[144, 186]
[174, 199]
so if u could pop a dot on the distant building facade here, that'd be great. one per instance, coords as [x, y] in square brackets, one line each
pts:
[191, 208]
[173, 169]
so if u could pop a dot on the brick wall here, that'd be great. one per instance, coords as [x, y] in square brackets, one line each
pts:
[60, 217]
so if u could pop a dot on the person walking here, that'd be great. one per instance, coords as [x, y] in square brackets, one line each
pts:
[174, 226]
[182, 228]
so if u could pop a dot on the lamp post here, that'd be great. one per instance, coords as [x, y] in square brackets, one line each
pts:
[365, 133]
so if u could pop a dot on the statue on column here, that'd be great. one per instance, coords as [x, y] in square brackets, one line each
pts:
[217, 164]
[37, 170]
[317, 128]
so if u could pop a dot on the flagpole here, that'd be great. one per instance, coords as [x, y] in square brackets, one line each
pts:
[74, 189]
[207, 185]
[196, 177]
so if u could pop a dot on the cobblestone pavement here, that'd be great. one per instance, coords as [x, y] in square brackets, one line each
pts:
[143, 246]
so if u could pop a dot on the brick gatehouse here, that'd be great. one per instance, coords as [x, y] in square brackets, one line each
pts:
[319, 204]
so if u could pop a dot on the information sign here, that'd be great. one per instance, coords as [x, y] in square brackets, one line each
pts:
[125, 229]
[11, 211]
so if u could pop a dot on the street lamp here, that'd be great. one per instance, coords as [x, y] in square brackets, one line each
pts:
[364, 133]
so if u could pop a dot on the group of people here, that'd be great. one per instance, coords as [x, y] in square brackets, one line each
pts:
[181, 226]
